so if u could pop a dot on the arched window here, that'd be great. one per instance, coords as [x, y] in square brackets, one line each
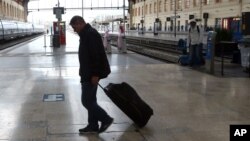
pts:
[187, 3]
[11, 10]
[206, 2]
[150, 8]
[1, 6]
[217, 1]
[7, 10]
[4, 8]
[179, 4]
[15, 12]
[159, 6]
[194, 3]
[142, 11]
[165, 5]
[155, 7]
[172, 5]
[139, 9]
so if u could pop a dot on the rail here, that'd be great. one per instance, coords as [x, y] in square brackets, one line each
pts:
[166, 50]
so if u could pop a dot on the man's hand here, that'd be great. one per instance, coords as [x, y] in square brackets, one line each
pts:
[94, 80]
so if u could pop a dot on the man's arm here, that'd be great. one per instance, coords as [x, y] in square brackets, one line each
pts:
[95, 44]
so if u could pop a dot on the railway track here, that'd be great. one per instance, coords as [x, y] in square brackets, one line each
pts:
[11, 43]
[165, 50]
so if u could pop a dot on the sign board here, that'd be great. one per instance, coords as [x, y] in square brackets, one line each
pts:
[175, 17]
[191, 17]
[58, 10]
[53, 97]
[205, 15]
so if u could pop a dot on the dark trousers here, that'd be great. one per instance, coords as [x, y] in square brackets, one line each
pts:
[196, 57]
[89, 101]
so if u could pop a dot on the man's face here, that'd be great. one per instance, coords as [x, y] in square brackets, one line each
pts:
[77, 27]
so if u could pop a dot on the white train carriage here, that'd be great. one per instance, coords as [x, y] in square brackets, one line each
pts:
[15, 29]
[10, 30]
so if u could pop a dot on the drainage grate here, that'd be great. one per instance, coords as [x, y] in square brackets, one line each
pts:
[53, 97]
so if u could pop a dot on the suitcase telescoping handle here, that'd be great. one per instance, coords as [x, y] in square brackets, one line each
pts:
[104, 89]
[101, 86]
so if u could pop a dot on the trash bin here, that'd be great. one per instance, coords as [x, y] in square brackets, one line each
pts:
[244, 46]
[56, 40]
[245, 56]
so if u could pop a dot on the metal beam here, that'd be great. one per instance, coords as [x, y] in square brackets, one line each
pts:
[86, 8]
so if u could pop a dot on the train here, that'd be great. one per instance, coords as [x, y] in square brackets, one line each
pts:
[10, 30]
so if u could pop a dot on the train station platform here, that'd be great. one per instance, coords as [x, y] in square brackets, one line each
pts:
[160, 36]
[40, 97]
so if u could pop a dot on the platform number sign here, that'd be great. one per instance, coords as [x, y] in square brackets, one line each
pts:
[53, 97]
[239, 132]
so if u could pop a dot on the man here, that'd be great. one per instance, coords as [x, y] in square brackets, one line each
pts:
[120, 40]
[195, 42]
[106, 42]
[93, 67]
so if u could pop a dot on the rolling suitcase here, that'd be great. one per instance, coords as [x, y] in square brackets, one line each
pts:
[184, 60]
[127, 99]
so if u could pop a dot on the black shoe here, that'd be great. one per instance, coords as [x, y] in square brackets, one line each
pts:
[105, 125]
[89, 129]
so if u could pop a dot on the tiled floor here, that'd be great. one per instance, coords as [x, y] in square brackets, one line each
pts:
[188, 105]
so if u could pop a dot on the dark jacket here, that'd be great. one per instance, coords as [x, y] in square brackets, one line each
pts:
[92, 56]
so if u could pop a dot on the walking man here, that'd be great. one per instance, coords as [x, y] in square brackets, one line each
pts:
[94, 66]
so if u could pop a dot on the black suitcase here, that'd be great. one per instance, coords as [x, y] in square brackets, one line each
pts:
[127, 99]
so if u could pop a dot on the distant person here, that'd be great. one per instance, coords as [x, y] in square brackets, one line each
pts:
[120, 41]
[94, 66]
[150, 28]
[195, 44]
[47, 31]
[106, 41]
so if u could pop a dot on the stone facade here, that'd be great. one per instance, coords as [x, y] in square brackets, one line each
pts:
[146, 12]
[13, 10]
